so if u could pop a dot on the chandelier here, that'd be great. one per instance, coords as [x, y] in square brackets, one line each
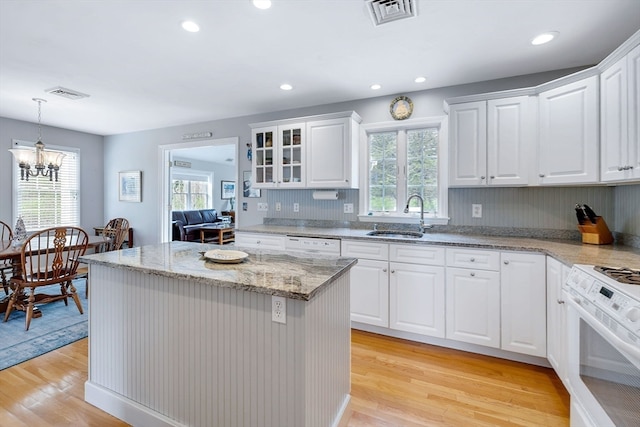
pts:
[39, 161]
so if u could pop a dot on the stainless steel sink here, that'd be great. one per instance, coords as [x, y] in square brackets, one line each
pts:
[396, 234]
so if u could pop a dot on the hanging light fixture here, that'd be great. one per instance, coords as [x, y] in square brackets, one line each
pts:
[45, 162]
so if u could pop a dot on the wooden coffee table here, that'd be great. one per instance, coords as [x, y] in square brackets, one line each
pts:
[224, 232]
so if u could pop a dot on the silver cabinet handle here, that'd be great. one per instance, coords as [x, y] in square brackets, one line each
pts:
[506, 263]
[492, 177]
[258, 242]
[384, 270]
[473, 274]
[393, 271]
[621, 168]
[482, 177]
[560, 301]
[472, 260]
[541, 175]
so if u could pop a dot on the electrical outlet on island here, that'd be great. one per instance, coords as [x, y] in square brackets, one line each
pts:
[278, 309]
[476, 211]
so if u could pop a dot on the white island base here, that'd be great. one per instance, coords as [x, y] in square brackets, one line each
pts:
[164, 351]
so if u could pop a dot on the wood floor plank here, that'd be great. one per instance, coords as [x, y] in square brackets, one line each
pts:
[393, 383]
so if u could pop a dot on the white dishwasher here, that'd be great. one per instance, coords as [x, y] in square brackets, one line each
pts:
[312, 245]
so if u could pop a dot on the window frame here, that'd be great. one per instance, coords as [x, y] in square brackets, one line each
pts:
[19, 143]
[441, 217]
[182, 174]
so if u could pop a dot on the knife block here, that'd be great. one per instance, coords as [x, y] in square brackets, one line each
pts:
[596, 234]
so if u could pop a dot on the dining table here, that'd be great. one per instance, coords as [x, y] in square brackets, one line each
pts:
[13, 253]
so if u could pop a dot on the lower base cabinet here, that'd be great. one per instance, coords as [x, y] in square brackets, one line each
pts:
[370, 292]
[473, 306]
[416, 299]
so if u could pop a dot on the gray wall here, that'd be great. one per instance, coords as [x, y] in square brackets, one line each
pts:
[91, 167]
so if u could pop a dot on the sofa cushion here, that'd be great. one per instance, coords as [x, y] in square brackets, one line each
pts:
[178, 216]
[209, 215]
[193, 217]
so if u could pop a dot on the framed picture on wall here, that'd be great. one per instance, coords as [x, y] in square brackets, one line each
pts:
[247, 188]
[130, 186]
[228, 190]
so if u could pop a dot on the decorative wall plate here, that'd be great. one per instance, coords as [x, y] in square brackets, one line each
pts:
[401, 107]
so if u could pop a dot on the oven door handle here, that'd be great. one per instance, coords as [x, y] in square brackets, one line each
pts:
[627, 348]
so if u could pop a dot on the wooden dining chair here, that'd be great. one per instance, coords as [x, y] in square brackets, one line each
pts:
[114, 233]
[48, 257]
[5, 266]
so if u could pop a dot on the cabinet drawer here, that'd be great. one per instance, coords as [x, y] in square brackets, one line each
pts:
[473, 258]
[416, 254]
[366, 250]
[265, 241]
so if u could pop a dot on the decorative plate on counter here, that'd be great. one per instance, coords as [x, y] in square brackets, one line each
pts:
[225, 256]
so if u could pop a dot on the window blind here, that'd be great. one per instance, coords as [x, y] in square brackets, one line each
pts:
[43, 203]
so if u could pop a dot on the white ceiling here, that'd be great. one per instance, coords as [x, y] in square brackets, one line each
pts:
[143, 71]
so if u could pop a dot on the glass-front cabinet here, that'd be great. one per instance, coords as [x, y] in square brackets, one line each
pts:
[278, 156]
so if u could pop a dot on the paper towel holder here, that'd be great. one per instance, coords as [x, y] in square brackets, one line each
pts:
[325, 195]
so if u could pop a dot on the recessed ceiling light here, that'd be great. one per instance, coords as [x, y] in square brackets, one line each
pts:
[190, 26]
[262, 4]
[420, 79]
[375, 86]
[544, 38]
[286, 86]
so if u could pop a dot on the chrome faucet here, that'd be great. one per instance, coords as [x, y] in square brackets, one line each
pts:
[406, 209]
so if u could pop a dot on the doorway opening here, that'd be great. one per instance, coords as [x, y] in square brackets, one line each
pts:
[192, 175]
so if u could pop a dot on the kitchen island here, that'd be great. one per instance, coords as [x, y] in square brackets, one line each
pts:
[175, 339]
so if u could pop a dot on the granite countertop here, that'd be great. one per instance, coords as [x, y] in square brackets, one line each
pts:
[295, 276]
[568, 252]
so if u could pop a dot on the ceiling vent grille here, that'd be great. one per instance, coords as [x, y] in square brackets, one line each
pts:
[66, 93]
[384, 11]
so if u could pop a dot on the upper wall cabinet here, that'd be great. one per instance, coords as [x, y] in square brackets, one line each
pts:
[619, 119]
[490, 142]
[568, 140]
[308, 152]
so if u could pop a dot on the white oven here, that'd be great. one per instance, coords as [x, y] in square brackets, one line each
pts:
[603, 352]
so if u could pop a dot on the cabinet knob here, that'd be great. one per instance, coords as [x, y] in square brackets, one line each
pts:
[621, 168]
[482, 177]
[473, 274]
[472, 260]
[506, 263]
[346, 180]
[492, 177]
[384, 270]
[560, 301]
[257, 242]
[541, 175]
[393, 271]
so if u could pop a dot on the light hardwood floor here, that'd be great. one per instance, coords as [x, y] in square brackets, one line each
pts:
[394, 383]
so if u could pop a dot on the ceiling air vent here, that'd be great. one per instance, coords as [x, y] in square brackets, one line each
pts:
[384, 11]
[66, 93]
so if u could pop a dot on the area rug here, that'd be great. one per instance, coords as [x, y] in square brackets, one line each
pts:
[59, 325]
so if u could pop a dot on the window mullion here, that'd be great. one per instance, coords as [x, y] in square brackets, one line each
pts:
[401, 155]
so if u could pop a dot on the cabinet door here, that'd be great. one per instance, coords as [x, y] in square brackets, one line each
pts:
[416, 299]
[263, 157]
[291, 156]
[329, 154]
[633, 65]
[468, 144]
[510, 129]
[556, 319]
[568, 125]
[473, 306]
[613, 122]
[370, 292]
[523, 303]
[261, 241]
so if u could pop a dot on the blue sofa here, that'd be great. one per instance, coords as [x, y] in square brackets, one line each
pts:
[186, 224]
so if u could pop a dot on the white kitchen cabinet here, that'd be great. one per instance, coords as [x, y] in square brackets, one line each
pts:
[523, 303]
[278, 156]
[568, 147]
[468, 144]
[491, 142]
[370, 292]
[332, 152]
[473, 306]
[619, 97]
[260, 240]
[416, 298]
[306, 152]
[557, 318]
[397, 286]
[369, 281]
